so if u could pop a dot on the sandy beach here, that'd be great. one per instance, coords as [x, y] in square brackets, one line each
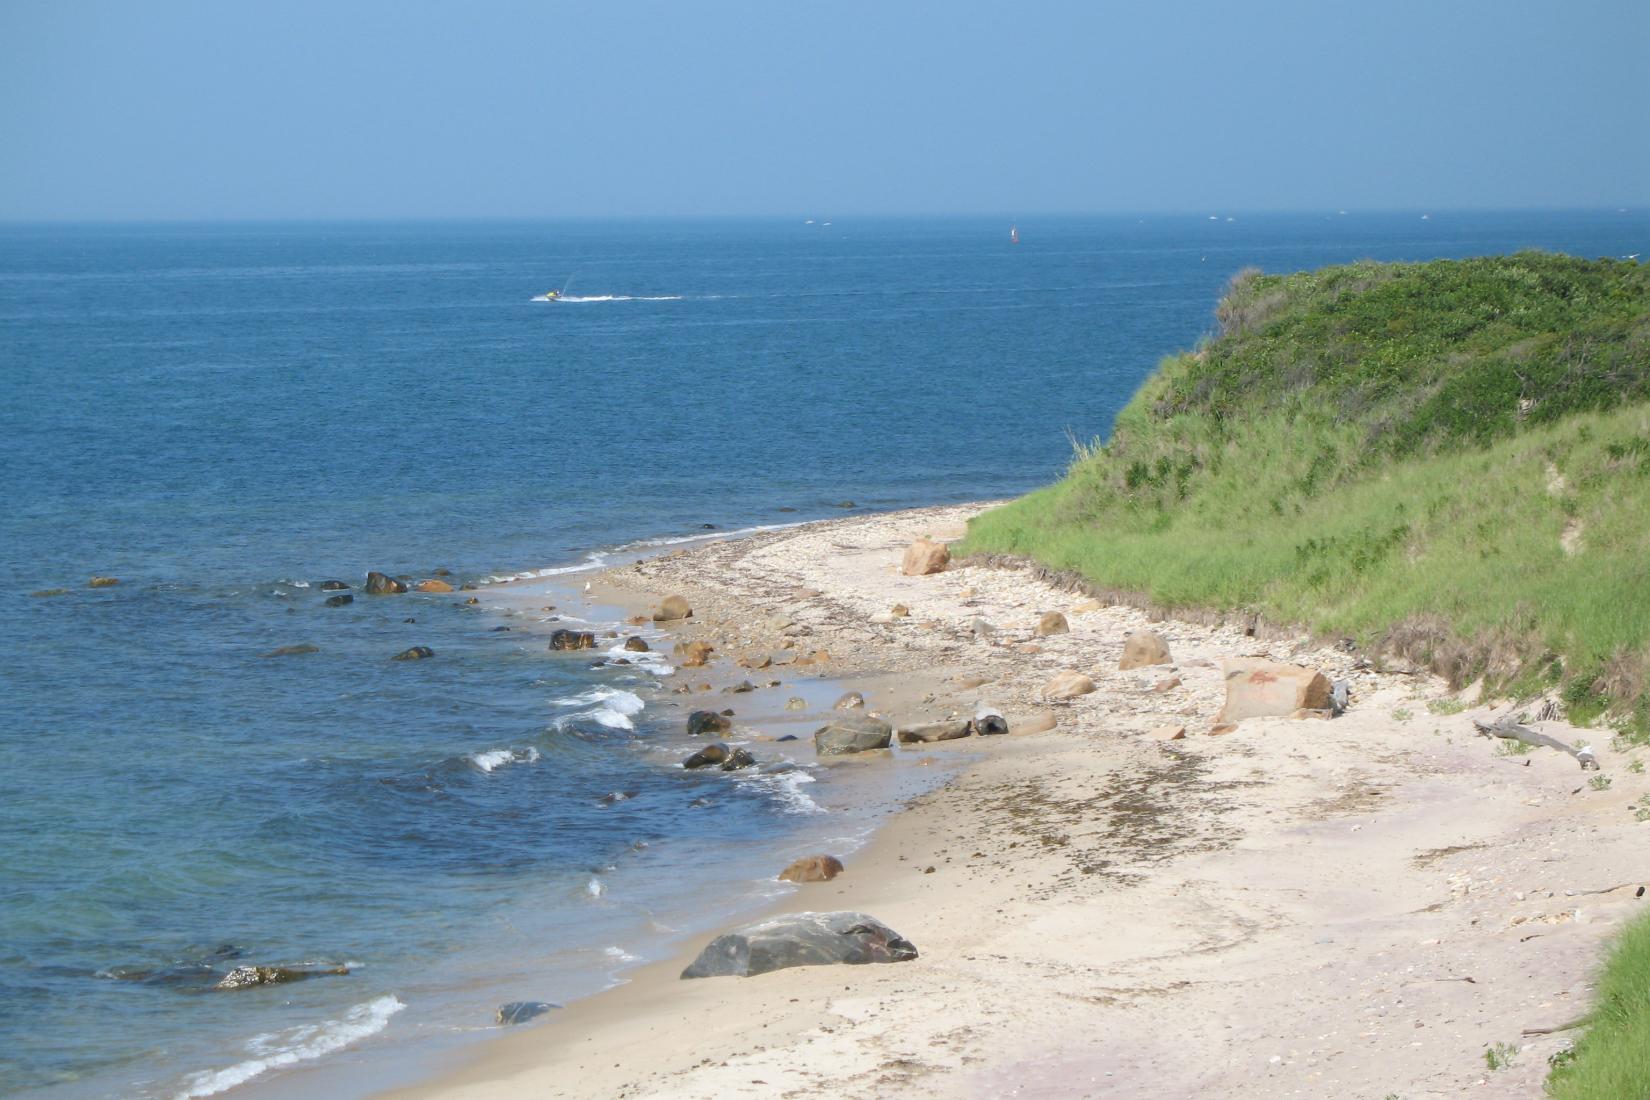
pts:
[1352, 907]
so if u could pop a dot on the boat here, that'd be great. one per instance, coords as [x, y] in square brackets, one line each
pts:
[551, 295]
[1013, 234]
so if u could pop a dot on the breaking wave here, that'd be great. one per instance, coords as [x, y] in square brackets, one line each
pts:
[278, 1049]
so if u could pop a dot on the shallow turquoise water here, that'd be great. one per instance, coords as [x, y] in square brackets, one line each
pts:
[222, 416]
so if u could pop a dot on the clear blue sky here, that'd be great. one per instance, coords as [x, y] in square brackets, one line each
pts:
[348, 108]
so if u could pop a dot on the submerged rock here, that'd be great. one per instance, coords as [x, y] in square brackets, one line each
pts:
[519, 1012]
[381, 584]
[244, 977]
[849, 701]
[48, 592]
[796, 703]
[852, 733]
[293, 650]
[635, 645]
[102, 582]
[801, 939]
[340, 601]
[563, 640]
[812, 869]
[416, 653]
[738, 759]
[434, 585]
[333, 586]
[701, 722]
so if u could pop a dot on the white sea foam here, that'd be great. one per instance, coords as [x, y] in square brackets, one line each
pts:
[595, 887]
[497, 758]
[620, 954]
[307, 1042]
[575, 298]
[786, 787]
[610, 707]
[651, 661]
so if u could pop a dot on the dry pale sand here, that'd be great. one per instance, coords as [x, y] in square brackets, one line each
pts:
[1356, 908]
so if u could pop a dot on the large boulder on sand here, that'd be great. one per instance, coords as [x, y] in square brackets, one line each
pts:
[929, 732]
[562, 640]
[519, 1012]
[800, 939]
[1067, 685]
[925, 556]
[1052, 622]
[1144, 648]
[672, 608]
[434, 584]
[381, 584]
[852, 732]
[694, 654]
[1257, 688]
[812, 869]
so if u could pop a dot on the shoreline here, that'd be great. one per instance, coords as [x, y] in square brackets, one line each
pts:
[1361, 905]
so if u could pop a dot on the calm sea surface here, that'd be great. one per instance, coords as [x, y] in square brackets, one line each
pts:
[224, 416]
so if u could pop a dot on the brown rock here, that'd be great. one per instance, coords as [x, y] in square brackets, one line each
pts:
[899, 611]
[381, 584]
[1144, 648]
[1052, 623]
[1169, 733]
[671, 609]
[1307, 713]
[635, 645]
[1038, 721]
[1165, 685]
[1257, 689]
[434, 585]
[712, 754]
[638, 620]
[696, 654]
[1086, 605]
[1067, 685]
[102, 582]
[924, 557]
[812, 869]
[1220, 729]
[758, 661]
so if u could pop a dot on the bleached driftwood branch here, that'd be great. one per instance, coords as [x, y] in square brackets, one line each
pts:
[1512, 731]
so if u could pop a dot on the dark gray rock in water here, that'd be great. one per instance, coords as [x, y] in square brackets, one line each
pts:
[519, 1012]
[416, 653]
[713, 753]
[378, 584]
[740, 688]
[800, 939]
[852, 732]
[572, 639]
[340, 601]
[787, 737]
[293, 650]
[701, 722]
[334, 586]
[737, 759]
[244, 977]
[635, 645]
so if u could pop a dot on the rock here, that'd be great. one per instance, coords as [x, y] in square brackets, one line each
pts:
[800, 939]
[340, 601]
[1038, 721]
[982, 629]
[795, 703]
[740, 688]
[758, 661]
[1168, 733]
[471, 602]
[1221, 729]
[737, 759]
[102, 582]
[416, 653]
[966, 593]
[244, 977]
[852, 700]
[696, 654]
[713, 753]
[701, 722]
[844, 504]
[434, 585]
[1320, 714]
[293, 650]
[48, 592]
[787, 737]
[563, 640]
[636, 645]
[1085, 606]
[1165, 685]
[899, 611]
[379, 584]
[929, 732]
[924, 557]
[1257, 688]
[851, 733]
[1052, 623]
[671, 609]
[1144, 648]
[333, 586]
[812, 869]
[989, 721]
[1067, 685]
[519, 1012]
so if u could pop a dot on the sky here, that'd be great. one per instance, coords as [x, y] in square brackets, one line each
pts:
[228, 110]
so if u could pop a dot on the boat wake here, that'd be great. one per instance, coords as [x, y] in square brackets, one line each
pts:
[580, 299]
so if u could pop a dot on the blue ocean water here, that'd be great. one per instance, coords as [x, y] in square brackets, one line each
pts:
[222, 416]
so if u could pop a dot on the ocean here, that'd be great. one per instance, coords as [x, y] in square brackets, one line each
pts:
[225, 416]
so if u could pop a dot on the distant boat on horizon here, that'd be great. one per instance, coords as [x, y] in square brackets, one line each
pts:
[1013, 234]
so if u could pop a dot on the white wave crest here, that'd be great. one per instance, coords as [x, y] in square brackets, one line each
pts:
[619, 954]
[304, 1043]
[786, 788]
[577, 298]
[497, 758]
[595, 887]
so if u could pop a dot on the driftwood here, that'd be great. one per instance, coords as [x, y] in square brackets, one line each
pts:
[1579, 1021]
[1512, 731]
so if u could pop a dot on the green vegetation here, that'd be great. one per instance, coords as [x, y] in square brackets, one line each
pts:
[1599, 782]
[1446, 461]
[1500, 1056]
[1612, 1059]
